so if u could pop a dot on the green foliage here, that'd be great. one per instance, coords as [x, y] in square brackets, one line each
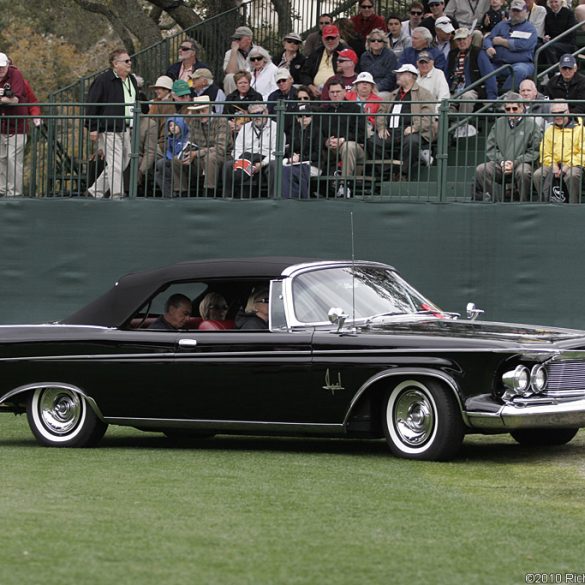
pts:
[235, 510]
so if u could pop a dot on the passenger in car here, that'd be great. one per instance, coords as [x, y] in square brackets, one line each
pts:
[177, 310]
[213, 307]
[255, 315]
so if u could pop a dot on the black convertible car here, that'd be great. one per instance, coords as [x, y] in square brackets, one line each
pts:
[349, 349]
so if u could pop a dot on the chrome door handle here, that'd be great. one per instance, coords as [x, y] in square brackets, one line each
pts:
[187, 343]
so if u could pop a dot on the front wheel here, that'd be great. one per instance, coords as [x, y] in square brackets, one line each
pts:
[60, 417]
[543, 437]
[422, 420]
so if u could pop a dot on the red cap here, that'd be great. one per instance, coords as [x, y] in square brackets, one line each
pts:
[330, 30]
[348, 54]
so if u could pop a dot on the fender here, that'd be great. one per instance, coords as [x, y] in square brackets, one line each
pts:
[65, 386]
[402, 372]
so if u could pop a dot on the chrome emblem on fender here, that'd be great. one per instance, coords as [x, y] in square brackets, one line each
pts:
[333, 387]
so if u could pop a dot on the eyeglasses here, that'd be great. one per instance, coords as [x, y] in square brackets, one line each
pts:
[416, 12]
[330, 38]
[376, 40]
[293, 41]
[512, 109]
[279, 81]
[186, 49]
[127, 61]
[257, 58]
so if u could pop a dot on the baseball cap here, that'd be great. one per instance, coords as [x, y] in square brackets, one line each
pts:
[444, 23]
[281, 73]
[242, 31]
[3, 60]
[330, 31]
[424, 56]
[517, 5]
[435, 2]
[462, 33]
[567, 60]
[407, 68]
[366, 77]
[202, 72]
[347, 55]
[293, 36]
[181, 87]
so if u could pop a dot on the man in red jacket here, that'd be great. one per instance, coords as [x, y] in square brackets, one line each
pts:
[12, 128]
[366, 20]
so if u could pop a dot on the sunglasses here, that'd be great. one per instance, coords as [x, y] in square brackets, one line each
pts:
[416, 12]
[262, 300]
[294, 41]
[256, 58]
[514, 109]
[218, 307]
[304, 97]
[376, 40]
[185, 48]
[366, 6]
[330, 38]
[281, 81]
[127, 61]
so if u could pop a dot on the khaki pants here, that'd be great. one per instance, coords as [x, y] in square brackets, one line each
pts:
[11, 163]
[116, 147]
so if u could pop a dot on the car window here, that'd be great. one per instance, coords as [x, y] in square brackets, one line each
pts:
[191, 290]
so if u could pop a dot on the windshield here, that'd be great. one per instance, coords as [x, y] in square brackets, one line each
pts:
[373, 290]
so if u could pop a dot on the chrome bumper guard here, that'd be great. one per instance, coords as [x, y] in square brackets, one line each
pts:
[525, 416]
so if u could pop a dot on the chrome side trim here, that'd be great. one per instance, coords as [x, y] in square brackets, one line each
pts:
[228, 425]
[408, 372]
[64, 385]
[509, 417]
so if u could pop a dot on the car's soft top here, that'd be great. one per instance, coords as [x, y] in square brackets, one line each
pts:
[114, 307]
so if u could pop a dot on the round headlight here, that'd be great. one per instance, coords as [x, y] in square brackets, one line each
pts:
[517, 380]
[538, 378]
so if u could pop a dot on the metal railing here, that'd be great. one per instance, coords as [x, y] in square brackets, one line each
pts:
[382, 160]
[214, 34]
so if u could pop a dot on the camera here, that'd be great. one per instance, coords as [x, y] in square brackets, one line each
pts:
[6, 90]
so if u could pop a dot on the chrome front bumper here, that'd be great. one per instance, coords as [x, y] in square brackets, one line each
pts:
[570, 413]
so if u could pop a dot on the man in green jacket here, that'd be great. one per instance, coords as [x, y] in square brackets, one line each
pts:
[512, 151]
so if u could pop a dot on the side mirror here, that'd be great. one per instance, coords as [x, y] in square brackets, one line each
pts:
[472, 312]
[337, 317]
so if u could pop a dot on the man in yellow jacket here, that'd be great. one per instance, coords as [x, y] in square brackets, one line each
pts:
[562, 157]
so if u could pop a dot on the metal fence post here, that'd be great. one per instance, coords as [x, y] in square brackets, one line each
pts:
[134, 151]
[442, 149]
[279, 152]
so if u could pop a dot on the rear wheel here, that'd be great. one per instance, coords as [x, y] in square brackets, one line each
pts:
[60, 417]
[543, 437]
[422, 420]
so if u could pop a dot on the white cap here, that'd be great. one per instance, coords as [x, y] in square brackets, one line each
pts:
[3, 60]
[407, 68]
[444, 23]
[366, 77]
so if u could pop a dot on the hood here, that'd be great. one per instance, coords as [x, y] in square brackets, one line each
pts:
[484, 333]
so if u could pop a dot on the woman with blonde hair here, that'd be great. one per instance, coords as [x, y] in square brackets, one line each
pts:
[380, 62]
[213, 307]
[263, 71]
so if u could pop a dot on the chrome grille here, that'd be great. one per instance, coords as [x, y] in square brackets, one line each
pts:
[566, 378]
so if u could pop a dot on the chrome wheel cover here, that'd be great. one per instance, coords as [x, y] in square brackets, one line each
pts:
[413, 417]
[60, 410]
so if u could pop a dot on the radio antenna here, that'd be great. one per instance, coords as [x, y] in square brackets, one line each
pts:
[352, 271]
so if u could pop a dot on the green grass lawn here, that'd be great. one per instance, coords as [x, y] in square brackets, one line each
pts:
[246, 510]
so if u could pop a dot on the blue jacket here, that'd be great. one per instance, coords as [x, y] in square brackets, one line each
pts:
[175, 142]
[381, 67]
[521, 50]
[410, 55]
